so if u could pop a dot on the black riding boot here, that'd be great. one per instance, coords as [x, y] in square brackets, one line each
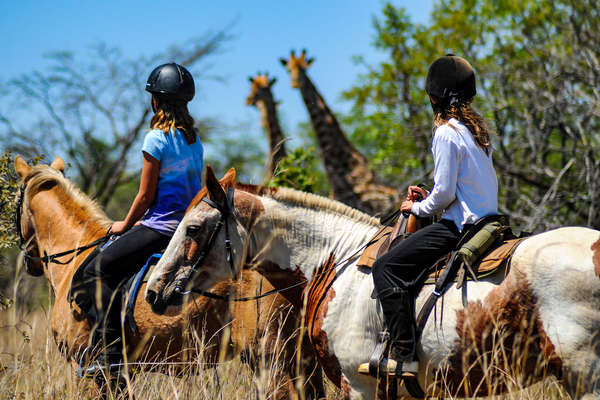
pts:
[398, 308]
[399, 314]
[400, 337]
[106, 346]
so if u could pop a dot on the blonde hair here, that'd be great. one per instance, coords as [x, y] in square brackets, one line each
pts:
[463, 112]
[173, 114]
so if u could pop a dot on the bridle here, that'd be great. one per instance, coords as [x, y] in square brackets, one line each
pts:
[47, 258]
[27, 259]
[227, 209]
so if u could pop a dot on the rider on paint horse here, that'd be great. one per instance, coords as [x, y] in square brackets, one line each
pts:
[171, 177]
[465, 190]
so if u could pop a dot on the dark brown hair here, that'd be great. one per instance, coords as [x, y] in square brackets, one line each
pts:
[463, 112]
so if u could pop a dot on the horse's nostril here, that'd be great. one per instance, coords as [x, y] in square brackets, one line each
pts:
[151, 297]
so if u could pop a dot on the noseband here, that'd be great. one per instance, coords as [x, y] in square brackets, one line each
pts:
[227, 209]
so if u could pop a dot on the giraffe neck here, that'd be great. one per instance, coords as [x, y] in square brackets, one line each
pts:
[351, 179]
[270, 122]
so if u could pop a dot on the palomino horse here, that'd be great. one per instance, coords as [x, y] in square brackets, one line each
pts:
[56, 217]
[541, 319]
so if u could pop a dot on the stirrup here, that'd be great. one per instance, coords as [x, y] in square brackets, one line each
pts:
[96, 368]
[393, 368]
[85, 369]
[378, 362]
[387, 366]
[81, 363]
[407, 369]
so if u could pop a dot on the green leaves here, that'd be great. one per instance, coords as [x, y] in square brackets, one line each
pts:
[537, 66]
[9, 186]
[299, 170]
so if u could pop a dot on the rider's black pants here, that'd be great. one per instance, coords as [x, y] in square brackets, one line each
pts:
[399, 275]
[111, 267]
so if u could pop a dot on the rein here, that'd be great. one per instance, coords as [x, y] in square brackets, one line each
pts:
[260, 296]
[230, 259]
[48, 258]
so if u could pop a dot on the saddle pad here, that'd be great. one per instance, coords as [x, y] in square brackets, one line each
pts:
[496, 257]
[370, 253]
[131, 288]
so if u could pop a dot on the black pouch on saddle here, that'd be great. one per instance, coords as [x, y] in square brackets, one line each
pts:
[78, 291]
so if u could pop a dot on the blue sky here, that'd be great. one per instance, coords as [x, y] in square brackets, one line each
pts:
[332, 31]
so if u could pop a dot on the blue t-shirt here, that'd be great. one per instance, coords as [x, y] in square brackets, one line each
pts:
[179, 178]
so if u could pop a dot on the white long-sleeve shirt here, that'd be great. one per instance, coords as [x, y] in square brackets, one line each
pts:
[465, 183]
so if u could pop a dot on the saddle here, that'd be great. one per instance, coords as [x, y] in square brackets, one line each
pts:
[481, 264]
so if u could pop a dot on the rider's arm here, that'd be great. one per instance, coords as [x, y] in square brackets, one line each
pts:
[145, 196]
[446, 154]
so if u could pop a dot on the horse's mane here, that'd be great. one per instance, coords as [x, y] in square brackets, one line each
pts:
[41, 175]
[309, 200]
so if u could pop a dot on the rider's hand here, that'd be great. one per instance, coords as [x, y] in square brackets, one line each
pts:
[118, 227]
[414, 192]
[406, 206]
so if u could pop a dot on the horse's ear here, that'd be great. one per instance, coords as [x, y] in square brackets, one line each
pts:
[228, 179]
[215, 190]
[21, 166]
[58, 164]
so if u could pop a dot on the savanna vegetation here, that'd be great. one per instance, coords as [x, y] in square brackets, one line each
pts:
[538, 76]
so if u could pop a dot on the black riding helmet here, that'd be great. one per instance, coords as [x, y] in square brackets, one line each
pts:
[171, 81]
[451, 78]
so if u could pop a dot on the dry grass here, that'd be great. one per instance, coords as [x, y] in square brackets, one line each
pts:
[31, 367]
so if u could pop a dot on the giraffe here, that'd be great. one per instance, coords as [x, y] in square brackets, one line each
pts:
[262, 98]
[352, 181]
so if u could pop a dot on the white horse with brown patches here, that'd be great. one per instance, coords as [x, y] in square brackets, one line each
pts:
[542, 319]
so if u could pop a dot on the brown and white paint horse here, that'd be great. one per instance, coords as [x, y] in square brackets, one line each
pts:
[56, 216]
[541, 319]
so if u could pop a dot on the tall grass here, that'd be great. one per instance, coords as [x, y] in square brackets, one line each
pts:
[32, 367]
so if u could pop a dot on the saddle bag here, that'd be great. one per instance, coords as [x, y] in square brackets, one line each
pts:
[472, 251]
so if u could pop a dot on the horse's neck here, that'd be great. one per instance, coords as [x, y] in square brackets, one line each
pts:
[300, 239]
[59, 228]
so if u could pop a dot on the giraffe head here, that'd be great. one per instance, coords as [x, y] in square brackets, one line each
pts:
[296, 66]
[260, 88]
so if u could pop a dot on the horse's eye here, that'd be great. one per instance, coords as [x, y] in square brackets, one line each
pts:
[192, 231]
